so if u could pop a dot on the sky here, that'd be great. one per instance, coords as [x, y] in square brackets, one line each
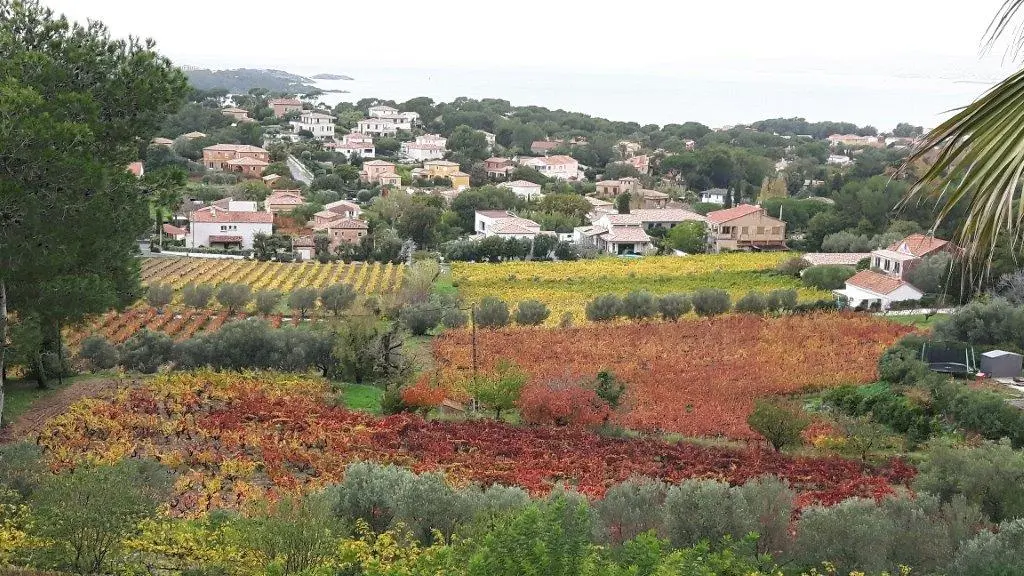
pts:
[743, 39]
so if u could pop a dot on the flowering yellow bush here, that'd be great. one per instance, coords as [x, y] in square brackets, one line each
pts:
[567, 286]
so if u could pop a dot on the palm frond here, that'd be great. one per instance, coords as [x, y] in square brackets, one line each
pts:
[1001, 24]
[978, 166]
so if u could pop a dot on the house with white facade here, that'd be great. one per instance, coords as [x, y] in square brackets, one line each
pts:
[838, 160]
[868, 289]
[558, 166]
[377, 127]
[615, 234]
[714, 196]
[666, 218]
[358, 148]
[216, 227]
[401, 120]
[320, 124]
[523, 188]
[505, 224]
[424, 148]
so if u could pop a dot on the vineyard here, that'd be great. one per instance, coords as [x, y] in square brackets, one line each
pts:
[365, 278]
[179, 324]
[566, 286]
[235, 437]
[698, 377]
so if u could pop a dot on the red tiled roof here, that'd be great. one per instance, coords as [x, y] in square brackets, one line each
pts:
[286, 102]
[667, 215]
[343, 223]
[513, 227]
[733, 213]
[217, 216]
[174, 230]
[544, 145]
[627, 234]
[919, 245]
[835, 258]
[377, 163]
[875, 282]
[225, 239]
[246, 161]
[560, 159]
[285, 197]
[162, 141]
[494, 213]
[235, 148]
[136, 168]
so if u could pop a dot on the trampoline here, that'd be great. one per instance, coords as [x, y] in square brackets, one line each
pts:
[953, 358]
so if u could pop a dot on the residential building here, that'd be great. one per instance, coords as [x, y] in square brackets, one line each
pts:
[868, 289]
[745, 227]
[432, 139]
[421, 152]
[349, 148]
[714, 196]
[504, 223]
[650, 199]
[345, 208]
[690, 144]
[232, 205]
[246, 166]
[446, 169]
[377, 127]
[901, 257]
[523, 188]
[382, 111]
[193, 135]
[839, 160]
[854, 140]
[599, 208]
[282, 106]
[665, 217]
[560, 167]
[161, 141]
[304, 247]
[216, 227]
[544, 146]
[642, 163]
[217, 156]
[238, 114]
[319, 124]
[499, 168]
[380, 172]
[615, 234]
[174, 233]
[341, 230]
[283, 201]
[612, 188]
[400, 120]
[628, 148]
[269, 179]
[137, 168]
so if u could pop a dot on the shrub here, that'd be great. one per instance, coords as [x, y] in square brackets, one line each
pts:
[565, 321]
[266, 301]
[561, 404]
[98, 352]
[501, 390]
[979, 411]
[698, 510]
[566, 251]
[532, 313]
[900, 365]
[710, 302]
[296, 533]
[639, 305]
[998, 553]
[454, 318]
[764, 505]
[987, 476]
[792, 267]
[420, 318]
[253, 344]
[197, 295]
[234, 297]
[853, 535]
[603, 308]
[22, 468]
[337, 297]
[609, 388]
[673, 306]
[993, 322]
[630, 508]
[302, 300]
[781, 299]
[146, 351]
[492, 313]
[828, 276]
[159, 295]
[779, 424]
[752, 303]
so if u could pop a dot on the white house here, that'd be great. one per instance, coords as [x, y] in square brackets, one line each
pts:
[320, 124]
[523, 188]
[558, 166]
[839, 160]
[504, 223]
[666, 217]
[360, 149]
[382, 111]
[422, 152]
[714, 196]
[376, 127]
[401, 120]
[868, 289]
[615, 234]
[216, 227]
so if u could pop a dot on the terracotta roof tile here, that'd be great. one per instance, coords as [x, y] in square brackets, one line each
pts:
[667, 215]
[875, 282]
[919, 245]
[733, 213]
[216, 216]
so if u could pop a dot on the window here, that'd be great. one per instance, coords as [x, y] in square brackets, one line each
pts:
[744, 231]
[886, 265]
[896, 267]
[878, 262]
[776, 230]
[726, 229]
[760, 230]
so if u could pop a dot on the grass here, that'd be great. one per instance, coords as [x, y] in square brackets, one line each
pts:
[362, 397]
[917, 320]
[20, 395]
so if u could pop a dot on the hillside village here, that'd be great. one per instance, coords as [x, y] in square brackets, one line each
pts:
[391, 168]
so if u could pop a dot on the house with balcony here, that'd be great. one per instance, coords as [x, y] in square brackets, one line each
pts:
[499, 168]
[250, 161]
[282, 106]
[446, 169]
[377, 127]
[319, 124]
[505, 224]
[745, 227]
[380, 172]
[666, 218]
[615, 234]
[886, 281]
[400, 120]
[421, 151]
[345, 208]
[341, 230]
[714, 196]
[560, 167]
[215, 227]
[898, 259]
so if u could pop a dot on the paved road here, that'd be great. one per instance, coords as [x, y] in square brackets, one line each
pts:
[299, 171]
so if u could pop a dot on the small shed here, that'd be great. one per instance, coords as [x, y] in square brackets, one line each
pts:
[1001, 364]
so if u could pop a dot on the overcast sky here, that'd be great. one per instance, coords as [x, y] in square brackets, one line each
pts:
[638, 35]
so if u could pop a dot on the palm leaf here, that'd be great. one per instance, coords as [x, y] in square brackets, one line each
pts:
[980, 162]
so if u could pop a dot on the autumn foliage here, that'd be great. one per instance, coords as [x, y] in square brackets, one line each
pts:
[699, 376]
[233, 438]
[424, 395]
[561, 404]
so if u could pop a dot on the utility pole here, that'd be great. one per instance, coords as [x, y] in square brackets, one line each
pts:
[472, 321]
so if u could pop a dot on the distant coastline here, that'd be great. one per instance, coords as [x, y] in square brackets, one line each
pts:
[331, 77]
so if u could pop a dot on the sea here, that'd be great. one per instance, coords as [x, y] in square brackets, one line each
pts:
[715, 97]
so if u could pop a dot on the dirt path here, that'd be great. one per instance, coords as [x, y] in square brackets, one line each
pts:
[31, 422]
